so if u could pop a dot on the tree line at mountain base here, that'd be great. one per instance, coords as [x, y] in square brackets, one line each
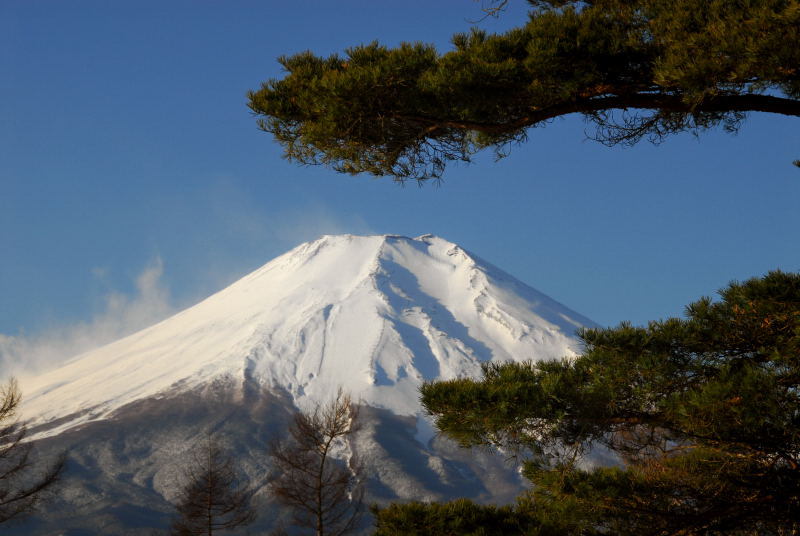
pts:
[323, 494]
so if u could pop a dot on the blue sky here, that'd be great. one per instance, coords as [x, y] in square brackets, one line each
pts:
[132, 174]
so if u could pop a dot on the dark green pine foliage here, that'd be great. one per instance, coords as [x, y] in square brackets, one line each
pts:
[465, 518]
[460, 517]
[635, 68]
[702, 415]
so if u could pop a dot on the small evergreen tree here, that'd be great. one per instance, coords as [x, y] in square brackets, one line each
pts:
[323, 495]
[20, 488]
[213, 497]
[703, 414]
[635, 68]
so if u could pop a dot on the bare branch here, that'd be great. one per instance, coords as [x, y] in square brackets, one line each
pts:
[324, 494]
[213, 497]
[20, 491]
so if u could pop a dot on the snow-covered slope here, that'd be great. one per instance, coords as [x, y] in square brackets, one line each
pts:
[376, 315]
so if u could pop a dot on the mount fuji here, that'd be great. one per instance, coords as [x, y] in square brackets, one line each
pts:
[374, 315]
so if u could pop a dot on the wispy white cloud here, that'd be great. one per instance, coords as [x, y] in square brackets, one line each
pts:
[120, 315]
[315, 220]
[239, 232]
[234, 211]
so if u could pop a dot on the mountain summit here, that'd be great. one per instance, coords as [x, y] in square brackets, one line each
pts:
[376, 315]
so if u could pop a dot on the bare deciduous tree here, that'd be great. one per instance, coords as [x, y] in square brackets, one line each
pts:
[213, 497]
[20, 487]
[324, 494]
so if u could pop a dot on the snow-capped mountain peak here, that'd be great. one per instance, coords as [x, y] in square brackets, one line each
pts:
[376, 315]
